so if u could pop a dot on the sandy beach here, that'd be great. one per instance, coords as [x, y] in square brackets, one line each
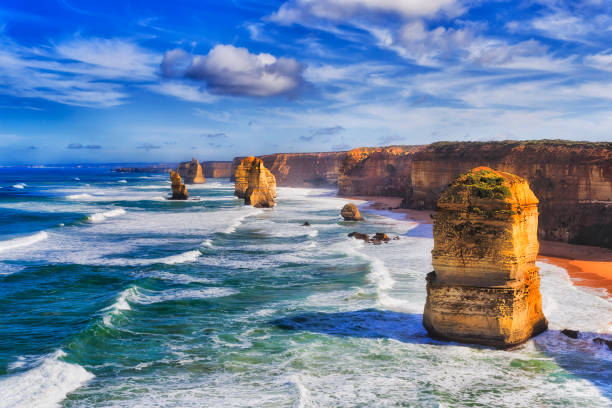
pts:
[586, 265]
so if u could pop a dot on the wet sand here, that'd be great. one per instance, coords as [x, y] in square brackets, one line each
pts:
[585, 265]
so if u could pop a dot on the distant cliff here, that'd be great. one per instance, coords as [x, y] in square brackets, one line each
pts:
[572, 179]
[217, 169]
[376, 171]
[302, 169]
[161, 168]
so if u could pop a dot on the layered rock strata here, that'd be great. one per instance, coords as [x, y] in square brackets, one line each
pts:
[179, 191]
[217, 169]
[485, 288]
[191, 172]
[380, 171]
[255, 183]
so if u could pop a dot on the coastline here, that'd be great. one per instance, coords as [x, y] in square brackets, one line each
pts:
[585, 265]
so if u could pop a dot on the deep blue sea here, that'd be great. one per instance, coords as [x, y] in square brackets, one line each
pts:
[113, 296]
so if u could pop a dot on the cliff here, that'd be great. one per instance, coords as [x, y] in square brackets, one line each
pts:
[255, 183]
[191, 172]
[485, 285]
[376, 171]
[572, 179]
[217, 169]
[302, 169]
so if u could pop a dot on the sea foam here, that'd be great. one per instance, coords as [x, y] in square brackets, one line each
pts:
[101, 216]
[23, 241]
[45, 385]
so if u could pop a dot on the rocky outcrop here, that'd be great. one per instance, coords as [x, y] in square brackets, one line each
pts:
[179, 191]
[191, 172]
[217, 169]
[485, 288]
[302, 169]
[350, 212]
[380, 171]
[255, 183]
[572, 179]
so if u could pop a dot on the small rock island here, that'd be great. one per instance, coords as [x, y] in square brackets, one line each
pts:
[191, 172]
[350, 212]
[255, 183]
[485, 288]
[179, 191]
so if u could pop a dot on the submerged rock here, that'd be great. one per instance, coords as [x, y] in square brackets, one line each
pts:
[359, 235]
[306, 224]
[485, 287]
[572, 334]
[179, 191]
[602, 342]
[255, 183]
[191, 172]
[350, 212]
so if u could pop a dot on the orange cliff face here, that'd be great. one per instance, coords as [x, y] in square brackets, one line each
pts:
[485, 285]
[255, 183]
[217, 169]
[179, 191]
[301, 169]
[572, 179]
[381, 171]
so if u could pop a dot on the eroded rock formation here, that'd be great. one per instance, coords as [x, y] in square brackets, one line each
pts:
[191, 172]
[350, 212]
[217, 169]
[485, 288]
[179, 191]
[255, 183]
[302, 169]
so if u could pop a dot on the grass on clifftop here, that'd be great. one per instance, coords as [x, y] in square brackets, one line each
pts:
[484, 184]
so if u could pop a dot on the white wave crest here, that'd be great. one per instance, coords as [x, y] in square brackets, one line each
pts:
[99, 217]
[45, 385]
[83, 196]
[23, 241]
[122, 181]
[189, 256]
[136, 295]
[120, 305]
[20, 185]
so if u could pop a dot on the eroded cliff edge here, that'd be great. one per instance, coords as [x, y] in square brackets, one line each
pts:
[572, 179]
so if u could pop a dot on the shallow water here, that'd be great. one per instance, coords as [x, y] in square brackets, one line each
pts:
[112, 295]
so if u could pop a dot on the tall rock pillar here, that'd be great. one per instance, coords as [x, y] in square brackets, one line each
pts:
[485, 288]
[255, 183]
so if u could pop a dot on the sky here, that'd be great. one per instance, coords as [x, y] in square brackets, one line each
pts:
[164, 81]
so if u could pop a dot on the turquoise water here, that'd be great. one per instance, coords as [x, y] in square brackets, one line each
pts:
[113, 296]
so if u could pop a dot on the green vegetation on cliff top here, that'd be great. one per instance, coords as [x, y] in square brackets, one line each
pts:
[483, 184]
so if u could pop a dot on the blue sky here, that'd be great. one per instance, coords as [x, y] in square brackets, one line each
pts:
[145, 81]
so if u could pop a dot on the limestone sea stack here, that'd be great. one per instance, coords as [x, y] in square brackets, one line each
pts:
[255, 183]
[179, 191]
[191, 172]
[350, 212]
[485, 288]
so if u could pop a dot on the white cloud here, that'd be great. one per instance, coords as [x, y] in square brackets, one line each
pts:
[79, 72]
[235, 71]
[183, 91]
[601, 61]
[299, 11]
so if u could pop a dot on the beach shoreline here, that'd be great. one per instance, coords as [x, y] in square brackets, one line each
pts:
[585, 265]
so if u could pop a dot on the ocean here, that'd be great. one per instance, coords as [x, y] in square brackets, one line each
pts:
[113, 296]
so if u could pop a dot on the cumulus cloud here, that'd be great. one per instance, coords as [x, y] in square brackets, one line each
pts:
[300, 11]
[230, 70]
